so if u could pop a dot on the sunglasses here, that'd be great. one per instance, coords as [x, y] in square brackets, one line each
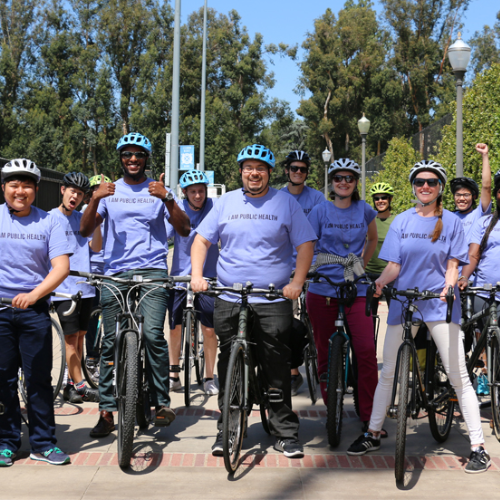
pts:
[419, 182]
[379, 198]
[140, 155]
[339, 178]
[302, 170]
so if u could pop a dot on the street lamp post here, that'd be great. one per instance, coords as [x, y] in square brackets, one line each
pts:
[459, 55]
[364, 127]
[203, 89]
[326, 160]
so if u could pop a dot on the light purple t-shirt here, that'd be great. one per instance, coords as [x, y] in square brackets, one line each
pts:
[27, 244]
[135, 229]
[80, 260]
[423, 263]
[468, 220]
[257, 238]
[488, 268]
[181, 260]
[336, 228]
[308, 199]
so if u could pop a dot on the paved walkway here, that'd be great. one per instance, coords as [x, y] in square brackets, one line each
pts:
[176, 461]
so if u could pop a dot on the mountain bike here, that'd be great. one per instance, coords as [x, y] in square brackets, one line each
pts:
[91, 372]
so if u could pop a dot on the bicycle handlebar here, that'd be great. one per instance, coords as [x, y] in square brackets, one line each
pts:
[487, 287]
[94, 279]
[74, 300]
[270, 293]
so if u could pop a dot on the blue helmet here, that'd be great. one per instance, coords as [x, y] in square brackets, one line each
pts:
[257, 152]
[193, 177]
[135, 139]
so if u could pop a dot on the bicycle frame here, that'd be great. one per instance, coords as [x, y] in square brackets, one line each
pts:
[343, 329]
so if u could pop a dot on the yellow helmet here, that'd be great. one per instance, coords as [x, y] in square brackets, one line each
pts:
[382, 188]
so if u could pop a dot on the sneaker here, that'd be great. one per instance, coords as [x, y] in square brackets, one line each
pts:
[363, 444]
[6, 458]
[53, 456]
[175, 385]
[217, 448]
[164, 416]
[91, 395]
[210, 387]
[479, 461]
[291, 448]
[71, 394]
[297, 381]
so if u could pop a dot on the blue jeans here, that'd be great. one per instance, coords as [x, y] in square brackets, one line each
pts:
[26, 340]
[154, 309]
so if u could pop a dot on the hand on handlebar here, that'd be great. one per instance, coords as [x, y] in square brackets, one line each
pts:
[199, 285]
[23, 300]
[380, 289]
[462, 284]
[445, 292]
[292, 291]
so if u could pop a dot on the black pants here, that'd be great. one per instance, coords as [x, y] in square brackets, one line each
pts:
[271, 327]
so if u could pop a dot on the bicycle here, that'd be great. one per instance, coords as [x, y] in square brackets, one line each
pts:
[130, 383]
[489, 340]
[92, 375]
[244, 386]
[411, 391]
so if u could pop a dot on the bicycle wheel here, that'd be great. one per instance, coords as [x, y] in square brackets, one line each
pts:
[311, 363]
[127, 394]
[495, 386]
[143, 407]
[438, 390]
[91, 372]
[402, 413]
[335, 390]
[188, 337]
[233, 411]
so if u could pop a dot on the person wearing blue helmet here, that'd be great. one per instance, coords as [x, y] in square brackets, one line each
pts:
[258, 228]
[137, 213]
[197, 206]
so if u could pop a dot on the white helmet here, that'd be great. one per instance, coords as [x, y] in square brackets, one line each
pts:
[21, 166]
[345, 164]
[429, 166]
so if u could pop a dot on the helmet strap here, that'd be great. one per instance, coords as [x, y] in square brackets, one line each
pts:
[430, 202]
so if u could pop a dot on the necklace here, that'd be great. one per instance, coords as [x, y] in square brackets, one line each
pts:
[345, 243]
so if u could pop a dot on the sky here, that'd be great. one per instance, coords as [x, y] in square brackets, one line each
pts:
[289, 21]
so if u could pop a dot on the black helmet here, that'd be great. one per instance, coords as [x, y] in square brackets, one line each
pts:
[297, 155]
[496, 183]
[465, 182]
[78, 180]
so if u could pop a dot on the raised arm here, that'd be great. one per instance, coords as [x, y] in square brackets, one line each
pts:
[485, 176]
[91, 219]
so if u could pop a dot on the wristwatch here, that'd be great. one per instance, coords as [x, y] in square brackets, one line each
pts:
[169, 197]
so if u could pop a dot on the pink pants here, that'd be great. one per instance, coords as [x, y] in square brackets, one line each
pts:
[323, 318]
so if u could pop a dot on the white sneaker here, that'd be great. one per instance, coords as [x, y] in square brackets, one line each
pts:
[175, 385]
[210, 387]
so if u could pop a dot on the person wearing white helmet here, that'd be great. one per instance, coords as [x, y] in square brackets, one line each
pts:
[31, 241]
[423, 248]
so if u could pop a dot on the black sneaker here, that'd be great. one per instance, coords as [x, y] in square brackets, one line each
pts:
[364, 443]
[291, 448]
[297, 381]
[71, 394]
[479, 462]
[217, 448]
[91, 395]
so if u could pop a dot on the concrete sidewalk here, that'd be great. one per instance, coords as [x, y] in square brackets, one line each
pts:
[176, 461]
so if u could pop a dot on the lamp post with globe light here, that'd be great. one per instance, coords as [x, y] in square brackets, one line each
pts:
[326, 160]
[364, 127]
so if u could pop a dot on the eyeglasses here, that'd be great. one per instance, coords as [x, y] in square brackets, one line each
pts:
[248, 169]
[463, 195]
[420, 182]
[379, 198]
[302, 170]
[339, 178]
[140, 155]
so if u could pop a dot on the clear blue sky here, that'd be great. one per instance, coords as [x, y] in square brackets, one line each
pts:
[288, 21]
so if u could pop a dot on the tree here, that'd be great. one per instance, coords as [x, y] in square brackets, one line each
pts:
[486, 47]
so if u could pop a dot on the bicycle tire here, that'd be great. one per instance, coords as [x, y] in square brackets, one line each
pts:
[335, 390]
[402, 413]
[143, 407]
[188, 335]
[437, 384]
[127, 395]
[233, 411]
[93, 379]
[311, 362]
[199, 360]
[495, 386]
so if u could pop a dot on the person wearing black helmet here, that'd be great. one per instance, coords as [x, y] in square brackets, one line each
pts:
[74, 326]
[466, 191]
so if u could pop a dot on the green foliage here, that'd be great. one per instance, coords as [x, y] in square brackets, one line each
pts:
[398, 161]
[481, 123]
[486, 47]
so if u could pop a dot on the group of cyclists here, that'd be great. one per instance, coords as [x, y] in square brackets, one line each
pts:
[257, 234]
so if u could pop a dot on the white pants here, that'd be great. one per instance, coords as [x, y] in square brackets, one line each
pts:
[450, 346]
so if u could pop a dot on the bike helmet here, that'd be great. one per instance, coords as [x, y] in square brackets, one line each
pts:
[429, 166]
[193, 177]
[464, 182]
[96, 180]
[78, 180]
[345, 164]
[21, 166]
[256, 152]
[297, 155]
[135, 139]
[381, 188]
